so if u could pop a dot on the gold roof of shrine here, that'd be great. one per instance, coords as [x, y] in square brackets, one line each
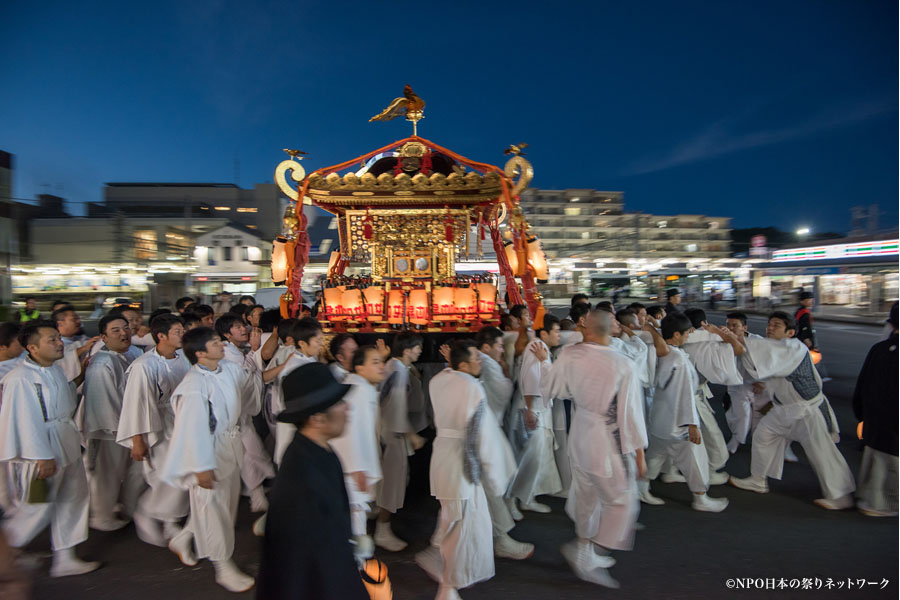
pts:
[386, 189]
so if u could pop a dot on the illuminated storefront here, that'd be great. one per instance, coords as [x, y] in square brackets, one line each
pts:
[81, 283]
[856, 275]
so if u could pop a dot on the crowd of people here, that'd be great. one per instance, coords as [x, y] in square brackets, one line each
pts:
[168, 424]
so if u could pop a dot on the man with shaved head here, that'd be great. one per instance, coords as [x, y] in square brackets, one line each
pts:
[606, 447]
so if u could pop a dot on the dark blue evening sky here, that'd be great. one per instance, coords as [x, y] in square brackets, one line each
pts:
[773, 113]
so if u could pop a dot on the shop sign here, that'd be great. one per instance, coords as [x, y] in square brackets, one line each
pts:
[837, 251]
[804, 271]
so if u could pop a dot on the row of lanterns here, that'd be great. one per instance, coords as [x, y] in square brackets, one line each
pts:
[418, 306]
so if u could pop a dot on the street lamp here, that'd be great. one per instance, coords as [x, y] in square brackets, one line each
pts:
[803, 231]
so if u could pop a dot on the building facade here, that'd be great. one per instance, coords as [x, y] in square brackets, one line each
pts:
[593, 245]
[589, 224]
[156, 242]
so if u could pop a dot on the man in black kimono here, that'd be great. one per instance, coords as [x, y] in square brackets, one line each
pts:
[674, 301]
[875, 403]
[306, 552]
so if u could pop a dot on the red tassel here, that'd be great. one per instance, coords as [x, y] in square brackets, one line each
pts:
[481, 230]
[448, 228]
[367, 226]
[425, 169]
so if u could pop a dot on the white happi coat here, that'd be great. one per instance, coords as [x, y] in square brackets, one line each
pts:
[257, 465]
[647, 338]
[142, 342]
[796, 389]
[497, 386]
[36, 408]
[464, 424]
[271, 402]
[71, 364]
[338, 370]
[394, 429]
[36, 415]
[607, 426]
[206, 437]
[714, 359]
[537, 472]
[674, 409]
[357, 447]
[104, 387]
[456, 396]
[394, 403]
[558, 412]
[8, 365]
[146, 406]
[715, 362]
[147, 411]
[207, 408]
[111, 472]
[255, 356]
[607, 397]
[674, 406]
[740, 414]
[636, 351]
[131, 353]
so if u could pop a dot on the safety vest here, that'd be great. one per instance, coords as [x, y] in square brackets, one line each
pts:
[24, 316]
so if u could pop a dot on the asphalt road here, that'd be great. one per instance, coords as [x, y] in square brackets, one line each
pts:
[680, 554]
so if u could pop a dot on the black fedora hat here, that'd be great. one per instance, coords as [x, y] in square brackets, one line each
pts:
[672, 292]
[308, 390]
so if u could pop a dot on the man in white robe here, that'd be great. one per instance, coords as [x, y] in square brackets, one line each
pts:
[39, 442]
[139, 340]
[465, 454]
[744, 396]
[11, 354]
[713, 351]
[111, 472]
[11, 351]
[257, 464]
[674, 422]
[307, 338]
[537, 472]
[606, 446]
[342, 347]
[784, 363]
[494, 375]
[578, 314]
[498, 392]
[205, 453]
[650, 336]
[145, 428]
[357, 447]
[399, 438]
[272, 393]
[76, 344]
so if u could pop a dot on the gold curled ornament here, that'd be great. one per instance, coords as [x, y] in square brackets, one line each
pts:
[521, 168]
[297, 174]
[499, 213]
